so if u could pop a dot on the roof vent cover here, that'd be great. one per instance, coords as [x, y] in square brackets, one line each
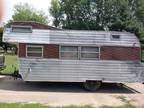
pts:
[115, 37]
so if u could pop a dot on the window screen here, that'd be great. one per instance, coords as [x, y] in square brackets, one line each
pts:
[89, 52]
[34, 51]
[69, 52]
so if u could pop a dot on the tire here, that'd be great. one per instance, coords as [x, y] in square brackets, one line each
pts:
[92, 85]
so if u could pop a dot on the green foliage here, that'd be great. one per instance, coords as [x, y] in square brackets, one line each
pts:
[55, 12]
[72, 106]
[11, 63]
[25, 12]
[3, 45]
[125, 106]
[16, 105]
[140, 10]
[122, 98]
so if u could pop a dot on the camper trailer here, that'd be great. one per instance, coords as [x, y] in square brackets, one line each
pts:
[91, 57]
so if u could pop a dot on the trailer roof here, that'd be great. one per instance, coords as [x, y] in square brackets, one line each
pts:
[72, 37]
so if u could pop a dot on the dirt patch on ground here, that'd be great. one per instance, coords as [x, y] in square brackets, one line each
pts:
[63, 94]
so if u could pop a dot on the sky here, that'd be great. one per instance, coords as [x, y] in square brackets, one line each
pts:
[8, 6]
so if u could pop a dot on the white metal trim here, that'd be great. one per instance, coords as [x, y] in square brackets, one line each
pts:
[79, 74]
[60, 37]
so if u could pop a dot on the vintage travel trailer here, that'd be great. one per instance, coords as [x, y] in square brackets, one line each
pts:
[56, 55]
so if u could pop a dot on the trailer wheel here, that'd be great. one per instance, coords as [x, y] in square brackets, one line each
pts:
[92, 85]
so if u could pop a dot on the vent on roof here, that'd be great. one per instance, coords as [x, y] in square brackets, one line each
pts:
[21, 29]
[115, 37]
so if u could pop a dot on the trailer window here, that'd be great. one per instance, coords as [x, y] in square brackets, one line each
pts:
[89, 52]
[69, 52]
[34, 51]
[21, 29]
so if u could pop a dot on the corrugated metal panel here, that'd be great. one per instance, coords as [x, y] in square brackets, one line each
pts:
[72, 37]
[80, 70]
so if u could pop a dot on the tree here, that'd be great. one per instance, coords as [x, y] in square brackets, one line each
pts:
[140, 10]
[25, 12]
[2, 44]
[55, 12]
[118, 15]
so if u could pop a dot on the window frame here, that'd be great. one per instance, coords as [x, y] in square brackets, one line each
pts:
[41, 46]
[82, 58]
[60, 51]
[79, 52]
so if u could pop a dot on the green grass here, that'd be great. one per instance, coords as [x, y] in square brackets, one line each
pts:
[123, 99]
[16, 105]
[72, 106]
[125, 106]
[10, 63]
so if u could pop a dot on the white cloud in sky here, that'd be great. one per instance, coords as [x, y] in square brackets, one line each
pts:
[38, 4]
